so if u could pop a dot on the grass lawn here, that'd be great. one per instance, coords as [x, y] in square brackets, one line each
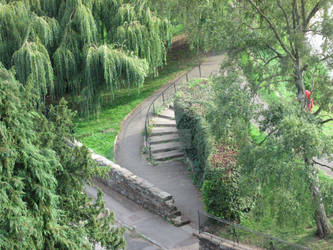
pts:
[99, 132]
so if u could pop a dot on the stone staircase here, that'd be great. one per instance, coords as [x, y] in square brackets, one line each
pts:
[164, 139]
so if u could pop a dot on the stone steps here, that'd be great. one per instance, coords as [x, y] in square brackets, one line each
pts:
[163, 122]
[156, 131]
[164, 156]
[163, 138]
[167, 114]
[164, 147]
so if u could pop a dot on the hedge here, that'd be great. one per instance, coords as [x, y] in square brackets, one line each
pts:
[219, 191]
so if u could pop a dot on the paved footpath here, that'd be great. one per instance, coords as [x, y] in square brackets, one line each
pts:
[172, 177]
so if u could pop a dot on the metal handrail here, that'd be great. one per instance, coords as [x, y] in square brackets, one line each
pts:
[245, 229]
[162, 95]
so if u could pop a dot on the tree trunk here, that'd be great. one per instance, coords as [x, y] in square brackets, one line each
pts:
[299, 82]
[324, 228]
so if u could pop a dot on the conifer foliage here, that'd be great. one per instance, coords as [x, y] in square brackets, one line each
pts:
[43, 203]
[79, 47]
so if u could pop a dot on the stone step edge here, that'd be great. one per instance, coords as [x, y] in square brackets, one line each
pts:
[160, 125]
[177, 154]
[165, 116]
[163, 133]
[164, 140]
[165, 147]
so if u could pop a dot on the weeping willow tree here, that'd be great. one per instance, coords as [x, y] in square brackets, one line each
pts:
[79, 48]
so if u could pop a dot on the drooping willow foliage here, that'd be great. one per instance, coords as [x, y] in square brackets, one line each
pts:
[80, 47]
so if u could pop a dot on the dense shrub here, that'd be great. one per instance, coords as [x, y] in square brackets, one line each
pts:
[220, 189]
[213, 168]
[194, 134]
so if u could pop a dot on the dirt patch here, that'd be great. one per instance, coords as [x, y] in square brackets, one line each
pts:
[180, 42]
[224, 157]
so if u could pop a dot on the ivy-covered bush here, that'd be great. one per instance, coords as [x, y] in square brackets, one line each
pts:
[214, 166]
[220, 190]
[194, 135]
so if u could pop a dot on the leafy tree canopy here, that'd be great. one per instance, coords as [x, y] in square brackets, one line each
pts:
[268, 43]
[80, 47]
[43, 203]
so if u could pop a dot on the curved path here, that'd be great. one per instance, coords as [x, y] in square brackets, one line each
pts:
[172, 177]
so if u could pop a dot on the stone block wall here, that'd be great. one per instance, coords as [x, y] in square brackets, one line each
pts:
[209, 241]
[138, 190]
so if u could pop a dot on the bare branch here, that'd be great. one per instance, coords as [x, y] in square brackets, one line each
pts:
[296, 12]
[326, 57]
[313, 12]
[293, 12]
[317, 112]
[273, 29]
[269, 134]
[303, 14]
[322, 164]
[287, 22]
[271, 77]
[285, 16]
[328, 120]
[279, 55]
[275, 57]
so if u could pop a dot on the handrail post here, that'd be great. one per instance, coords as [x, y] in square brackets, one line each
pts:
[187, 77]
[149, 149]
[199, 221]
[200, 69]
[163, 97]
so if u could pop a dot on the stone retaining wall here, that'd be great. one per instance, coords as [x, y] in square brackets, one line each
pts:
[209, 241]
[138, 190]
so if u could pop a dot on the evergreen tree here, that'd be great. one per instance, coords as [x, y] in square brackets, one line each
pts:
[59, 45]
[43, 203]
